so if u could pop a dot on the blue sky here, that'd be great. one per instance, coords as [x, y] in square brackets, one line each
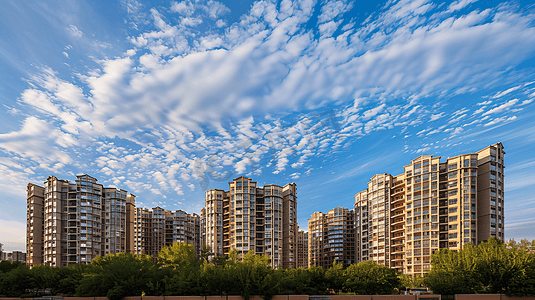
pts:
[167, 99]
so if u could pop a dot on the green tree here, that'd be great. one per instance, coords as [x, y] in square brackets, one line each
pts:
[335, 277]
[16, 281]
[69, 278]
[6, 265]
[179, 255]
[491, 267]
[369, 278]
[300, 281]
[317, 281]
[452, 272]
[119, 275]
[251, 273]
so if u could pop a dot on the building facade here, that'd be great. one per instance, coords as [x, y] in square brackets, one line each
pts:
[75, 222]
[13, 256]
[157, 227]
[400, 221]
[248, 217]
[35, 224]
[331, 238]
[302, 249]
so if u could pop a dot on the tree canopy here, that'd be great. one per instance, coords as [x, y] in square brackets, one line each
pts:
[491, 267]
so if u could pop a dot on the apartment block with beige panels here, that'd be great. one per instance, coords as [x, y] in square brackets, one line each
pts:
[35, 225]
[400, 221]
[75, 222]
[158, 227]
[331, 238]
[373, 213]
[302, 249]
[248, 217]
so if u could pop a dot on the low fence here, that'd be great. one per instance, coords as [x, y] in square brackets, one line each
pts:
[299, 297]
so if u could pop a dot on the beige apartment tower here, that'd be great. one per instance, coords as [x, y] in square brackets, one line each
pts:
[75, 222]
[302, 249]
[34, 225]
[157, 227]
[248, 217]
[400, 221]
[331, 238]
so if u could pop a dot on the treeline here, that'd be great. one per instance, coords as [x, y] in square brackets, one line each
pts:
[488, 268]
[179, 273]
[491, 267]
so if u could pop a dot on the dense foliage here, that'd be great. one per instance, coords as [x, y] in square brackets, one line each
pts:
[179, 273]
[489, 268]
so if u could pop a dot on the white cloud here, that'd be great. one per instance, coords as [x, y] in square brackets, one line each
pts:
[191, 187]
[501, 94]
[13, 111]
[220, 23]
[39, 141]
[328, 29]
[502, 107]
[458, 5]
[373, 112]
[215, 9]
[423, 150]
[332, 9]
[185, 8]
[436, 116]
[187, 21]
[499, 120]
[74, 31]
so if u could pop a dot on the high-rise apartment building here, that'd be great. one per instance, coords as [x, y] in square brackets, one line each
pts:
[18, 256]
[302, 249]
[331, 238]
[35, 225]
[400, 221]
[157, 227]
[248, 217]
[380, 221]
[212, 220]
[75, 222]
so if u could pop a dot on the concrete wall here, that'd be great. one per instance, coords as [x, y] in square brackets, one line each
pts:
[490, 297]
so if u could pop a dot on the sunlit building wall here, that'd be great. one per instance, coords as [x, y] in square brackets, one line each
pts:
[302, 249]
[158, 227]
[248, 217]
[331, 238]
[75, 222]
[400, 221]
